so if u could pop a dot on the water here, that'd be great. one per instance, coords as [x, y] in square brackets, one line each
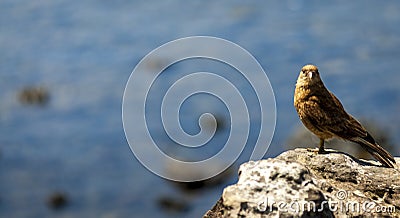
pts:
[83, 53]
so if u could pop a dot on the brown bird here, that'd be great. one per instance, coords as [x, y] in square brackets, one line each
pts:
[323, 114]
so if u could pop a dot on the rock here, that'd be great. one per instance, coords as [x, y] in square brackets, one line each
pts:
[57, 200]
[171, 204]
[193, 175]
[302, 183]
[34, 95]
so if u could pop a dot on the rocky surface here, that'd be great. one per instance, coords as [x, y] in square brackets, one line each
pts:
[302, 183]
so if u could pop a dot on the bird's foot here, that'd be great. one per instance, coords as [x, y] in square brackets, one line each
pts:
[322, 151]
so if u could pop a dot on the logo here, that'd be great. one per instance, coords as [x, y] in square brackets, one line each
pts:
[173, 103]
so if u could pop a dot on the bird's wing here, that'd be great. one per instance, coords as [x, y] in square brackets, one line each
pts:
[352, 130]
[346, 126]
[326, 113]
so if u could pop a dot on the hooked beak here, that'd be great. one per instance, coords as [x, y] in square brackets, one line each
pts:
[310, 74]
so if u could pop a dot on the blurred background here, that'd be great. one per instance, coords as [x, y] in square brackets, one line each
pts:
[64, 66]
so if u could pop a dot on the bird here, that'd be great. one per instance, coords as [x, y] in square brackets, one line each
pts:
[323, 114]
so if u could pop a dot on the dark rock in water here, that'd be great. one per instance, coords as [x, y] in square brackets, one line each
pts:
[302, 183]
[57, 200]
[191, 174]
[203, 184]
[173, 204]
[34, 95]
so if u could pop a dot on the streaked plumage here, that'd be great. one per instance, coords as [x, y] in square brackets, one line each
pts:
[323, 114]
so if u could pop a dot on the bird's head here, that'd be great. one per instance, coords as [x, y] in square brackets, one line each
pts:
[309, 75]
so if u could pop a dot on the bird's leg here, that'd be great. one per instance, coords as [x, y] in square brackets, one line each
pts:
[321, 146]
[321, 149]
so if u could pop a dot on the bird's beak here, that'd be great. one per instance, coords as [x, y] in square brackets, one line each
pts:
[310, 74]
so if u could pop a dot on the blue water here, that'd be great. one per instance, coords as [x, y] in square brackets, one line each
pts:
[83, 53]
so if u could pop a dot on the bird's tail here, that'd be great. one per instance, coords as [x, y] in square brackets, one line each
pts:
[376, 150]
